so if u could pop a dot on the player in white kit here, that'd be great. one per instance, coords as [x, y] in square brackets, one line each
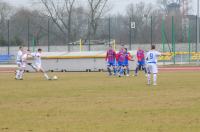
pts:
[19, 63]
[22, 56]
[24, 63]
[152, 68]
[38, 63]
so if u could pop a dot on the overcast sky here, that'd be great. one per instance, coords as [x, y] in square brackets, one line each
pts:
[118, 6]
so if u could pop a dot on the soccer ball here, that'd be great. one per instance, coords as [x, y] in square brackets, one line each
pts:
[55, 78]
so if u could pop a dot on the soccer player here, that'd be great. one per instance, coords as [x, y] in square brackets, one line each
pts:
[22, 61]
[151, 58]
[37, 66]
[140, 62]
[120, 61]
[128, 58]
[19, 63]
[111, 60]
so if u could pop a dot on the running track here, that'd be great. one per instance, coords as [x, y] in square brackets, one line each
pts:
[179, 68]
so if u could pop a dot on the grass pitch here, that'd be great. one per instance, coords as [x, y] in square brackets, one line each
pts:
[94, 102]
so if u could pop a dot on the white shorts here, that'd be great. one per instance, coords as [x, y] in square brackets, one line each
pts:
[23, 64]
[19, 64]
[152, 68]
[38, 66]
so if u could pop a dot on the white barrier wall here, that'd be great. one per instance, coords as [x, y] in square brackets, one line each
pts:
[76, 61]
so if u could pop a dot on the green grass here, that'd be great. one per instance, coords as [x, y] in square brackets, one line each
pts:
[93, 102]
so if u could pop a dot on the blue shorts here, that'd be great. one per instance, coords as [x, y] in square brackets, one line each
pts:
[113, 63]
[126, 63]
[141, 63]
[120, 63]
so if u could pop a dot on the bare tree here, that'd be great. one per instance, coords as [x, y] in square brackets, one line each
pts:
[80, 23]
[5, 11]
[61, 14]
[96, 11]
[140, 13]
[162, 5]
[23, 18]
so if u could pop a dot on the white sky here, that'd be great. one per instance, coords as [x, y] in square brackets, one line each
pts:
[118, 6]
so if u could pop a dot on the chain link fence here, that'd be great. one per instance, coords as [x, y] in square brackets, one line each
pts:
[173, 34]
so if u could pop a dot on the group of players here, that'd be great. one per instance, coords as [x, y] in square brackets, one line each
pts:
[119, 62]
[116, 62]
[22, 55]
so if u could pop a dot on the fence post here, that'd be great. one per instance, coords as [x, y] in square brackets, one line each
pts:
[197, 44]
[33, 44]
[189, 43]
[151, 30]
[28, 34]
[8, 37]
[163, 36]
[48, 35]
[109, 30]
[130, 33]
[173, 40]
[197, 32]
[89, 45]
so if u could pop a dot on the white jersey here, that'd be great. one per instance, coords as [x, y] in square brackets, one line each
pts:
[24, 57]
[152, 56]
[24, 60]
[37, 58]
[19, 56]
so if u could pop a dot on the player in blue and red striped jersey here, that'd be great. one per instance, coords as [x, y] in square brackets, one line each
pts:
[111, 60]
[141, 62]
[128, 58]
[120, 61]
